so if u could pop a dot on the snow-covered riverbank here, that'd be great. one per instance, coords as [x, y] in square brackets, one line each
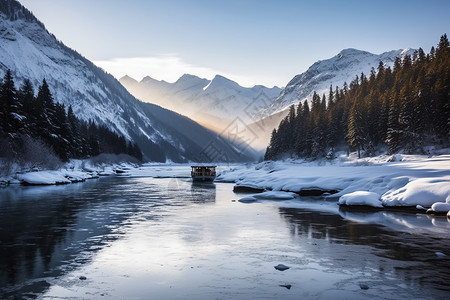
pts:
[401, 180]
[74, 171]
[382, 181]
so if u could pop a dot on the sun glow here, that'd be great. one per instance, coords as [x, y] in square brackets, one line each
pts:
[167, 67]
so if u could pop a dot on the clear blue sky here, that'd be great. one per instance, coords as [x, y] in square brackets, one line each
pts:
[249, 41]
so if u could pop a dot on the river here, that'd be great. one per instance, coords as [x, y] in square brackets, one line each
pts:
[168, 238]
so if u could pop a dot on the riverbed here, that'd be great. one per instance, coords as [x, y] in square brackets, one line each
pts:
[169, 238]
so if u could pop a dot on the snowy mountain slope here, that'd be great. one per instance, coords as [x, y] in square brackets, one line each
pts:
[343, 67]
[202, 99]
[30, 51]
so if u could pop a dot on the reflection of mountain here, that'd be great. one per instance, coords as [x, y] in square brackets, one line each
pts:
[411, 256]
[43, 234]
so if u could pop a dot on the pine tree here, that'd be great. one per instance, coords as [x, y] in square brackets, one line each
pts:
[355, 135]
[273, 147]
[393, 131]
[46, 114]
[26, 97]
[406, 120]
[9, 105]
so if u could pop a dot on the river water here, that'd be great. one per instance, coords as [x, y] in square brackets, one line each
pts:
[168, 238]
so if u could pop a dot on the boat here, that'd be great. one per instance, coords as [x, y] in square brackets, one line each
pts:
[203, 173]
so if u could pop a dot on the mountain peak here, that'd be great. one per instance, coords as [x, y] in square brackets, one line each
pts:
[127, 80]
[221, 82]
[221, 78]
[351, 52]
[188, 77]
[148, 79]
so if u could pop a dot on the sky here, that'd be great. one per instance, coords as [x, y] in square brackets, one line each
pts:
[249, 41]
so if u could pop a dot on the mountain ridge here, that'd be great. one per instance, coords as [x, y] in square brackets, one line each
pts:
[343, 67]
[206, 101]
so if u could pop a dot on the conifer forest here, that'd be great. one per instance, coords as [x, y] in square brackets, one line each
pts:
[35, 128]
[401, 109]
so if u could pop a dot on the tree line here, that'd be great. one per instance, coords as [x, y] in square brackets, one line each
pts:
[400, 109]
[41, 121]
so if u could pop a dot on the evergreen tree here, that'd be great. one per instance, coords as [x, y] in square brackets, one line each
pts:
[10, 117]
[356, 134]
[26, 97]
[406, 120]
[45, 114]
[393, 132]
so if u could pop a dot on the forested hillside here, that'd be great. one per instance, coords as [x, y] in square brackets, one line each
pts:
[401, 109]
[36, 128]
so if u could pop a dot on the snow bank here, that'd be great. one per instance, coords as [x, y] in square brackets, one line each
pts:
[43, 177]
[420, 191]
[361, 198]
[415, 180]
[74, 171]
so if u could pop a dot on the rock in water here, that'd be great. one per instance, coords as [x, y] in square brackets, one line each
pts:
[82, 278]
[363, 286]
[281, 267]
[288, 286]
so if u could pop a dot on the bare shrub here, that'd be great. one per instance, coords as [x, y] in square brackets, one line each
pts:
[35, 153]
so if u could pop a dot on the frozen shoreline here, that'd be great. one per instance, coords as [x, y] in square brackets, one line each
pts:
[74, 171]
[409, 181]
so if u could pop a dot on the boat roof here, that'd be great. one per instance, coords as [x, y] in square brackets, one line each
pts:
[203, 166]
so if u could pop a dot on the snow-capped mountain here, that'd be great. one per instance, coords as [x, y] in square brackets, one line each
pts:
[31, 52]
[343, 67]
[204, 100]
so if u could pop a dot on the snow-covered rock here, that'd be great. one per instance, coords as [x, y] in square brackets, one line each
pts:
[361, 198]
[440, 208]
[43, 178]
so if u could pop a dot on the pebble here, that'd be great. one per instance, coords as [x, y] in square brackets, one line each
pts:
[288, 286]
[281, 267]
[363, 286]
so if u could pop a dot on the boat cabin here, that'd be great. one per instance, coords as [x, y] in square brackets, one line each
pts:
[203, 173]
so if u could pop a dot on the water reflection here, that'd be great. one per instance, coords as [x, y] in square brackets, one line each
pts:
[49, 230]
[193, 191]
[203, 192]
[46, 230]
[171, 238]
[411, 256]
